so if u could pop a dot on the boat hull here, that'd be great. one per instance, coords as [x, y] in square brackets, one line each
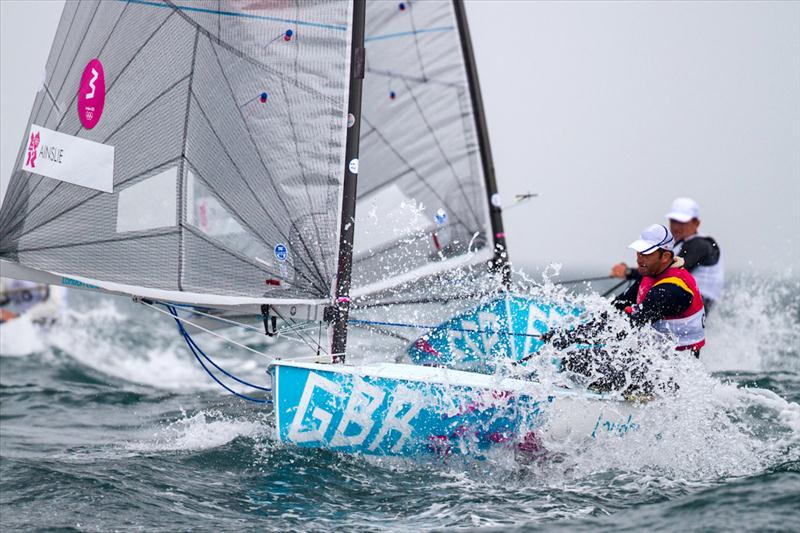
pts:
[410, 410]
[504, 328]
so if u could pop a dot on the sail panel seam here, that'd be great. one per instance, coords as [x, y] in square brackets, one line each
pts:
[108, 138]
[220, 12]
[241, 174]
[268, 172]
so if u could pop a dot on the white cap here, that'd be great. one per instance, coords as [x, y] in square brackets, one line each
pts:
[683, 210]
[652, 238]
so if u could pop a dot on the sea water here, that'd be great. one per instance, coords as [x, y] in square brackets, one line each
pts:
[108, 423]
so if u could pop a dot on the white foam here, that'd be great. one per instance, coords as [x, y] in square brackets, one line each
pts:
[204, 430]
[141, 347]
[20, 337]
[755, 325]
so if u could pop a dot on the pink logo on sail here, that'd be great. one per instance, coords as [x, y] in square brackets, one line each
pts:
[32, 146]
[91, 94]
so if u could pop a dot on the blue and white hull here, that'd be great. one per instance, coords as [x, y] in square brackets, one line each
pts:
[409, 410]
[505, 328]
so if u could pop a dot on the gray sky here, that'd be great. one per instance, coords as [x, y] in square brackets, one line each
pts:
[607, 110]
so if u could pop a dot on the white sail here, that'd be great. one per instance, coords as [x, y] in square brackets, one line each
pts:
[423, 200]
[227, 122]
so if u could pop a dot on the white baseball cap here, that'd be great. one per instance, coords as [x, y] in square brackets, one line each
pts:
[652, 238]
[683, 210]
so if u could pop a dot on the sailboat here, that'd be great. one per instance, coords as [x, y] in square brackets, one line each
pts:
[212, 154]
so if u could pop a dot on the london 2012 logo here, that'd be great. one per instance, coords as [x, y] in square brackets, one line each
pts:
[91, 94]
[32, 146]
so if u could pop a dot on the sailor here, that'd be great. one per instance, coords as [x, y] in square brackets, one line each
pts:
[701, 254]
[665, 296]
[36, 300]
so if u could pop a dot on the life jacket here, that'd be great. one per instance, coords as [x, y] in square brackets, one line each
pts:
[689, 327]
[710, 278]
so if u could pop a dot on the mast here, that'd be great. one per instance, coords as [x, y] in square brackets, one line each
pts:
[347, 227]
[500, 263]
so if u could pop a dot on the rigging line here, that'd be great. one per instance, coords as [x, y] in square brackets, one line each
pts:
[86, 33]
[260, 331]
[615, 287]
[427, 326]
[416, 41]
[409, 165]
[385, 332]
[201, 328]
[189, 340]
[420, 301]
[441, 149]
[192, 346]
[269, 174]
[196, 311]
[311, 343]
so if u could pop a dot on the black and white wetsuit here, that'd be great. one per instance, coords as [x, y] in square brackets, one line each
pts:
[703, 259]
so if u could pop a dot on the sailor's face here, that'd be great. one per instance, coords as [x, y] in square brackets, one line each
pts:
[652, 264]
[681, 230]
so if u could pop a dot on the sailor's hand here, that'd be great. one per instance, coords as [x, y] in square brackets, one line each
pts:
[620, 270]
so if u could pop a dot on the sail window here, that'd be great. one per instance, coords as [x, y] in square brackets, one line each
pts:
[205, 212]
[149, 204]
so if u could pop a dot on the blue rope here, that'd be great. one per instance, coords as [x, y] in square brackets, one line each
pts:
[426, 326]
[195, 349]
